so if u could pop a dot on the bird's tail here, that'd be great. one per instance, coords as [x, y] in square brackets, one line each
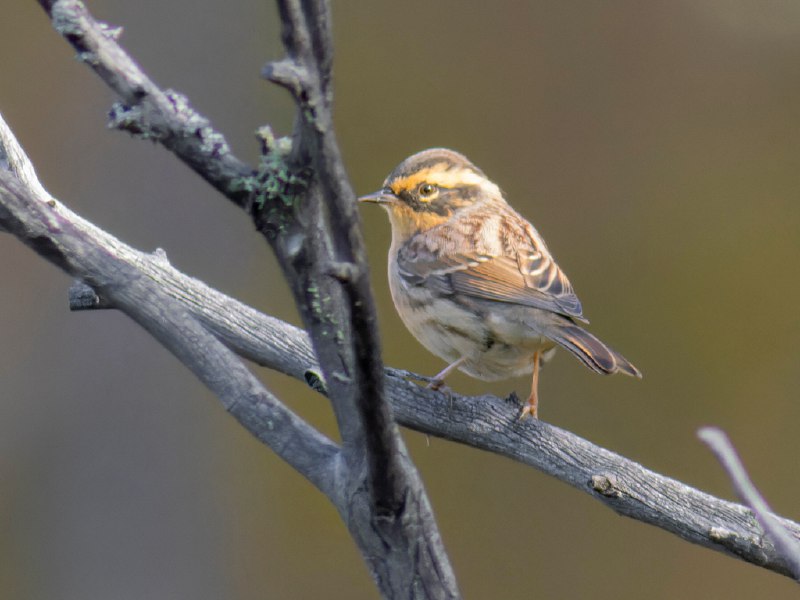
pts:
[592, 352]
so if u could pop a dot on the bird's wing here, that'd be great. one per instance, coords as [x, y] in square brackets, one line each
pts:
[518, 271]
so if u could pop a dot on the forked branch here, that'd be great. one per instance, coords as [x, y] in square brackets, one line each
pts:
[485, 422]
[301, 200]
[787, 545]
[324, 254]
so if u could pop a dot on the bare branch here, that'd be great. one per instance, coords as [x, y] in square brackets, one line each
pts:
[146, 110]
[84, 251]
[166, 117]
[723, 449]
[306, 74]
[310, 46]
[484, 422]
[302, 202]
[489, 423]
[15, 161]
[308, 179]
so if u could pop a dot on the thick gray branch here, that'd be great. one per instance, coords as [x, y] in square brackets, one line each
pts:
[302, 202]
[307, 74]
[485, 422]
[490, 423]
[113, 268]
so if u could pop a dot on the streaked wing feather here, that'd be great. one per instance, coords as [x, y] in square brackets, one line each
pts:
[509, 262]
[497, 278]
[501, 279]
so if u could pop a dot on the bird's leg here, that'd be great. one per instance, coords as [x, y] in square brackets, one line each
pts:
[532, 407]
[438, 380]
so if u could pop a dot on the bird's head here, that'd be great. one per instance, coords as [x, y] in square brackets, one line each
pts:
[428, 188]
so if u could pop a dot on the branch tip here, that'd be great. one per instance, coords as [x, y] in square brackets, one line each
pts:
[344, 272]
[787, 545]
[83, 297]
[160, 255]
[130, 119]
[112, 32]
[605, 485]
[288, 74]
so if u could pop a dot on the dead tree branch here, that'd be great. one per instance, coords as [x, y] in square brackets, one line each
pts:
[302, 202]
[306, 73]
[82, 250]
[300, 199]
[485, 422]
[717, 440]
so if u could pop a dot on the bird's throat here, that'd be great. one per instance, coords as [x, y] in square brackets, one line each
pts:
[407, 222]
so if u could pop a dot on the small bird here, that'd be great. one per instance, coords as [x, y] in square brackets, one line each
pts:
[474, 281]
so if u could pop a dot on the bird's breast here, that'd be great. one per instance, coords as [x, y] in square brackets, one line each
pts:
[495, 347]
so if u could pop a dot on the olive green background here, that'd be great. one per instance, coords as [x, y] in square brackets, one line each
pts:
[654, 145]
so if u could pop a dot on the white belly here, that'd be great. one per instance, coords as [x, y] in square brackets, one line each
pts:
[497, 345]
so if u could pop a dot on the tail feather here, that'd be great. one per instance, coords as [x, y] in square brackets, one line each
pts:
[592, 352]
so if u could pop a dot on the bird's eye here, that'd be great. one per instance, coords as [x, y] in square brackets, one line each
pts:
[427, 190]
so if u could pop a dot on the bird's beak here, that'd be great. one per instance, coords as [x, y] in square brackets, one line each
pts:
[379, 197]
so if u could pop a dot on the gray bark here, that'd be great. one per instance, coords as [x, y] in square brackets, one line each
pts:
[485, 422]
[300, 199]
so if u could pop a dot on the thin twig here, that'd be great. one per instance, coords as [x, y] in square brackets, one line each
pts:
[719, 443]
[145, 110]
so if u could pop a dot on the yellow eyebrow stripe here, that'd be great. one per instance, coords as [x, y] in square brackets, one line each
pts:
[437, 175]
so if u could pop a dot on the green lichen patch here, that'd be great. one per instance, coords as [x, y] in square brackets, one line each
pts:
[278, 188]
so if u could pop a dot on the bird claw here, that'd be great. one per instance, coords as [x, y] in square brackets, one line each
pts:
[437, 385]
[528, 409]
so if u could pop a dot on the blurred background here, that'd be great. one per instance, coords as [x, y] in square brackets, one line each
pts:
[655, 146]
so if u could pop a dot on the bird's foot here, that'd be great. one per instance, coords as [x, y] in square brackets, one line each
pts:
[437, 385]
[531, 407]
